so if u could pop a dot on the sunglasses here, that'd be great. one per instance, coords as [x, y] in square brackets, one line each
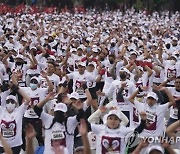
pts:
[34, 81]
[10, 101]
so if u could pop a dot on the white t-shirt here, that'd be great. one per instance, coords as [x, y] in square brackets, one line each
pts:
[109, 141]
[79, 80]
[116, 85]
[53, 78]
[108, 77]
[23, 70]
[58, 133]
[11, 125]
[155, 118]
[173, 108]
[171, 70]
[36, 96]
[159, 78]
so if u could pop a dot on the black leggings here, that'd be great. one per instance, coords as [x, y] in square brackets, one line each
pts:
[37, 124]
[16, 150]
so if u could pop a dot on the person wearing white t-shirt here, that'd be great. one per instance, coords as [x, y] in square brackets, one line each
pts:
[155, 124]
[11, 120]
[176, 94]
[120, 90]
[80, 78]
[59, 129]
[52, 77]
[110, 137]
[172, 69]
[36, 94]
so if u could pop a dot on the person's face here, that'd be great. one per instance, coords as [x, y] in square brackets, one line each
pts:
[102, 56]
[90, 68]
[75, 103]
[76, 44]
[151, 101]
[174, 43]
[65, 99]
[19, 60]
[50, 68]
[133, 57]
[65, 35]
[11, 40]
[111, 60]
[177, 84]
[113, 122]
[50, 39]
[10, 105]
[79, 52]
[23, 43]
[81, 69]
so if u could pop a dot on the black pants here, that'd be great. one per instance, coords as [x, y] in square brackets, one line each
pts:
[16, 150]
[37, 124]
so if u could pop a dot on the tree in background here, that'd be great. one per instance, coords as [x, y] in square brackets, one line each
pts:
[149, 5]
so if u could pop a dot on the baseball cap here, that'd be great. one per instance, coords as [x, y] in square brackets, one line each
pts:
[19, 56]
[123, 69]
[91, 63]
[153, 95]
[32, 47]
[155, 147]
[52, 57]
[73, 50]
[134, 52]
[82, 64]
[112, 112]
[60, 107]
[80, 47]
[113, 40]
[95, 50]
[11, 97]
[35, 78]
[24, 39]
[174, 56]
[74, 95]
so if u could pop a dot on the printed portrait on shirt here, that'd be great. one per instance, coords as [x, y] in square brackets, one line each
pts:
[8, 129]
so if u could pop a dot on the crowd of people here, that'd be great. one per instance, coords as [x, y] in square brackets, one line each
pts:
[91, 82]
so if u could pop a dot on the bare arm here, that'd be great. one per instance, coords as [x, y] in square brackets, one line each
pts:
[170, 96]
[30, 134]
[132, 97]
[149, 70]
[6, 147]
[83, 131]
[44, 101]
[172, 128]
[50, 85]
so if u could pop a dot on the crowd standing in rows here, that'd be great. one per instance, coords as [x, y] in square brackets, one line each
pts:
[65, 77]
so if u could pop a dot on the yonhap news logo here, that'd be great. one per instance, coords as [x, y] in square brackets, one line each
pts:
[132, 139]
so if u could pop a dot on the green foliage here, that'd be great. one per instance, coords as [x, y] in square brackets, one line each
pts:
[138, 5]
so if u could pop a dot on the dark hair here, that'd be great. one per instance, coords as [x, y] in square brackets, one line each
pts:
[112, 55]
[65, 124]
[178, 77]
[51, 62]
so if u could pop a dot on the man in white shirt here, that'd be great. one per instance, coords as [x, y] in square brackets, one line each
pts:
[80, 78]
[155, 113]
